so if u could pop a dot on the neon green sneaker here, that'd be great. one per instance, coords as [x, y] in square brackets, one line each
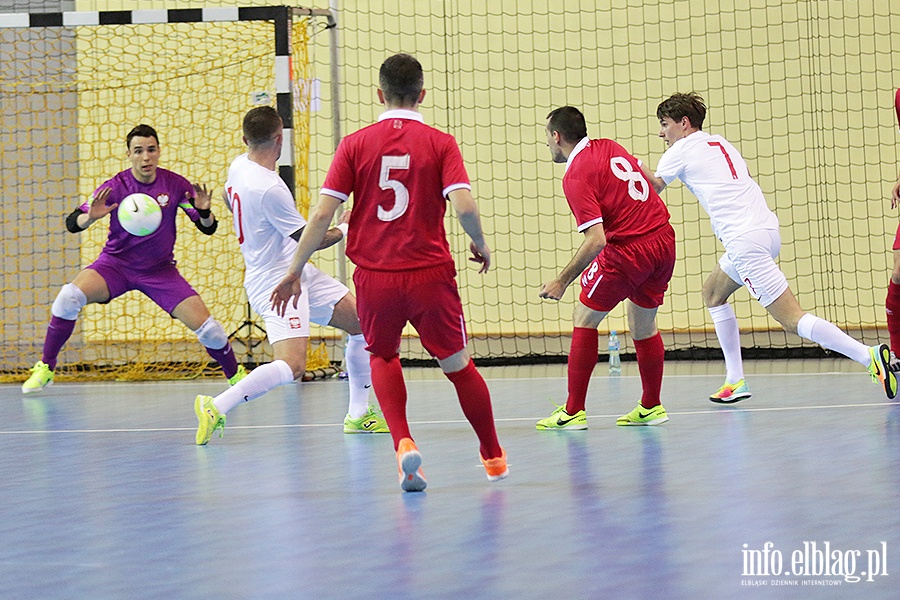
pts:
[644, 416]
[879, 369]
[41, 377]
[731, 393]
[560, 419]
[241, 373]
[371, 422]
[209, 419]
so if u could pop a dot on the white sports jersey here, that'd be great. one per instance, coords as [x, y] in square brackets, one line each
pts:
[264, 218]
[715, 172]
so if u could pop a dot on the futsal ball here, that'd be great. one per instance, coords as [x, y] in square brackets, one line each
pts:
[139, 214]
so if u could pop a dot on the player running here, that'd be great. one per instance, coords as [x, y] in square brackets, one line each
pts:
[268, 226]
[628, 252]
[128, 262]
[401, 173]
[715, 172]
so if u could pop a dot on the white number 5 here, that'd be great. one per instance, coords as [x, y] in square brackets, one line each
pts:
[401, 194]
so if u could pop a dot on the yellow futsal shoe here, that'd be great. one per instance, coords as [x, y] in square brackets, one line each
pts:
[41, 377]
[209, 419]
[560, 419]
[644, 416]
[371, 422]
[241, 373]
[880, 370]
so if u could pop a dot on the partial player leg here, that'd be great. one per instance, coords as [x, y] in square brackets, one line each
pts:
[787, 311]
[88, 286]
[193, 313]
[892, 304]
[717, 289]
[650, 352]
[362, 416]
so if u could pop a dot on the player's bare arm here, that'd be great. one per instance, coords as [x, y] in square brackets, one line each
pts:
[313, 234]
[657, 182]
[895, 195]
[467, 213]
[594, 242]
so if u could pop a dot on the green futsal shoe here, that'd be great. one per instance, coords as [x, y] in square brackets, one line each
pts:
[241, 373]
[41, 377]
[371, 422]
[644, 416]
[560, 419]
[208, 418]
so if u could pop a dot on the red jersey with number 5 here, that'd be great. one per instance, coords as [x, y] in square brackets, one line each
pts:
[400, 172]
[604, 184]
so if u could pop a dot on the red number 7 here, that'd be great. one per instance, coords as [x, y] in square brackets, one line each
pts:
[727, 158]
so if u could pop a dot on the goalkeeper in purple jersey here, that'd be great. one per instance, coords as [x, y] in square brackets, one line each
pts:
[128, 262]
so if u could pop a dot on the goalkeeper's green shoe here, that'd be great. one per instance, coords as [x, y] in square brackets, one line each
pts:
[560, 419]
[209, 419]
[41, 377]
[644, 416]
[880, 369]
[241, 373]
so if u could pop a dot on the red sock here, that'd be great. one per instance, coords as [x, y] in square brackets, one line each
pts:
[892, 306]
[475, 400]
[390, 389]
[650, 355]
[582, 359]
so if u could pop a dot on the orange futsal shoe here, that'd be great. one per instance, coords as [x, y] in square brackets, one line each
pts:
[408, 462]
[496, 467]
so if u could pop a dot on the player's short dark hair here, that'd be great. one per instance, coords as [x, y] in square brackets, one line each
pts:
[401, 80]
[568, 122]
[678, 106]
[261, 124]
[141, 130]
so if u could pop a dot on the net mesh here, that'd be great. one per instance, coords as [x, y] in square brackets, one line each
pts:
[69, 96]
[804, 90]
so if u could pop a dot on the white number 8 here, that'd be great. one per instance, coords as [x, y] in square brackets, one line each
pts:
[401, 194]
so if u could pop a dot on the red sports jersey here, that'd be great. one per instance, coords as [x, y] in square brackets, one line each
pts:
[399, 171]
[604, 184]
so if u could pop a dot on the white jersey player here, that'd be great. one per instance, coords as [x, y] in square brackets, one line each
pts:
[715, 172]
[268, 226]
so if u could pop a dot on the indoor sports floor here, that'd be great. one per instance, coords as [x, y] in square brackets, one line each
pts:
[103, 493]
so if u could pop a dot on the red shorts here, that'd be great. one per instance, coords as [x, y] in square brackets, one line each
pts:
[427, 298]
[896, 245]
[639, 270]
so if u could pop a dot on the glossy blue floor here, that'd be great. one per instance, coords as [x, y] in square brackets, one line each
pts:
[791, 494]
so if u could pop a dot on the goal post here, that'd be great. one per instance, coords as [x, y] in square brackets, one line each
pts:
[74, 84]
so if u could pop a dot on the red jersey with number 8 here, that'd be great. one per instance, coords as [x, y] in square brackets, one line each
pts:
[604, 184]
[399, 171]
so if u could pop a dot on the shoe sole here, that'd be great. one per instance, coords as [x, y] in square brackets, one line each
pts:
[659, 421]
[730, 399]
[409, 465]
[201, 416]
[567, 428]
[500, 477]
[884, 353]
[37, 389]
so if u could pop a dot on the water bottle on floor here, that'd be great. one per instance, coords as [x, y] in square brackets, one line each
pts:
[615, 362]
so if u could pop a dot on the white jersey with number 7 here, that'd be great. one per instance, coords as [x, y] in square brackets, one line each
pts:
[715, 172]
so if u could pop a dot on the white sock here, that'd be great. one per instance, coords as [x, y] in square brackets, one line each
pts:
[729, 335]
[360, 375]
[830, 336]
[260, 380]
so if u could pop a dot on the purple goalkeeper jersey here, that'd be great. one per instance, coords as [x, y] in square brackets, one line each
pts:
[170, 191]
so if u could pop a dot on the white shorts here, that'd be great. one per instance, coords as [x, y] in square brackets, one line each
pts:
[749, 260]
[316, 304]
